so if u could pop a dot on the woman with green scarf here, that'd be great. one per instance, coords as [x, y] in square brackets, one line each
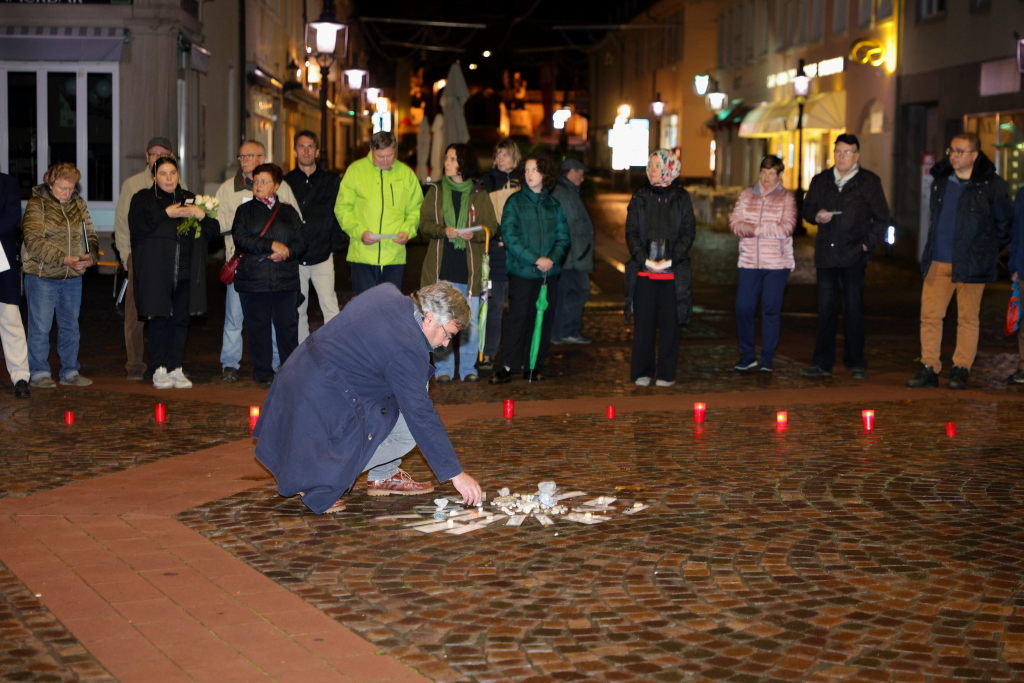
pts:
[450, 210]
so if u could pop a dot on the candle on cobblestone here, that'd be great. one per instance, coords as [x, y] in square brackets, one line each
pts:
[951, 429]
[868, 418]
[700, 409]
[160, 412]
[781, 420]
[254, 417]
[508, 408]
[609, 412]
[69, 417]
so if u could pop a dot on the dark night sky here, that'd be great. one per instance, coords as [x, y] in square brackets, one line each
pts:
[513, 34]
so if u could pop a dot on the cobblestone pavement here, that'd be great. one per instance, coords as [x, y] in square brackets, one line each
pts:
[822, 552]
[819, 553]
[34, 646]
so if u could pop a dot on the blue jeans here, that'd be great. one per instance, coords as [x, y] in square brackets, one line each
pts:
[768, 286]
[573, 290]
[444, 359]
[231, 342]
[365, 276]
[46, 297]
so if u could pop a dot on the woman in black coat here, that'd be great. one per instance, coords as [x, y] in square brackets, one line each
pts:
[660, 228]
[267, 279]
[170, 268]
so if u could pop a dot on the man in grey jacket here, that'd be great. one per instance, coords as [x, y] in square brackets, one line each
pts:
[574, 287]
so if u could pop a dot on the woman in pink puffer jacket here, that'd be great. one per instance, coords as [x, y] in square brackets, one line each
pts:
[764, 218]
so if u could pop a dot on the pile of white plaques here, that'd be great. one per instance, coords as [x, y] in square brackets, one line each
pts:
[547, 506]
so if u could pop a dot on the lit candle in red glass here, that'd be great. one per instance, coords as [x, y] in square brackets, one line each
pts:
[781, 419]
[700, 409]
[868, 418]
[160, 412]
[254, 416]
[508, 408]
[951, 429]
[609, 412]
[69, 417]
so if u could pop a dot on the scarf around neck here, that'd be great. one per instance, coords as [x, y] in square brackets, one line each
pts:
[461, 221]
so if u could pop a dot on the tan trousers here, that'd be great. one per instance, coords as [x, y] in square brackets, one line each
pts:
[936, 293]
[133, 342]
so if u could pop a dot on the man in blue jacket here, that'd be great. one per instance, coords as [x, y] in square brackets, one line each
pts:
[353, 398]
[970, 224]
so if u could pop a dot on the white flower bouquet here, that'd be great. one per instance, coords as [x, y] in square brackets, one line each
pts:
[209, 204]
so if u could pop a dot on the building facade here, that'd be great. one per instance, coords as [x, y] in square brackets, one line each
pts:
[958, 71]
[91, 82]
[847, 52]
[654, 59]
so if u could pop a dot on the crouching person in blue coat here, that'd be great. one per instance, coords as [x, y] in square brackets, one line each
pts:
[353, 398]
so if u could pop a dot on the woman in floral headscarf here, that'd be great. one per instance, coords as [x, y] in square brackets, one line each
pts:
[660, 228]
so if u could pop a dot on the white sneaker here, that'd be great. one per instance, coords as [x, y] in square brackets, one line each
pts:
[161, 379]
[643, 381]
[179, 380]
[664, 383]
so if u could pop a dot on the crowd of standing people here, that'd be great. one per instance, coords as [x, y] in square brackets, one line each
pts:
[517, 233]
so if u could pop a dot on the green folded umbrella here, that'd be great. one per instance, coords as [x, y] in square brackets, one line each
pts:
[538, 323]
[485, 294]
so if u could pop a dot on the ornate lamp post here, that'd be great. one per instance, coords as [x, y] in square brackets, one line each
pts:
[801, 86]
[330, 40]
[657, 111]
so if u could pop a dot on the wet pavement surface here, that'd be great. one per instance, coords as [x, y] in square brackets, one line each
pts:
[818, 553]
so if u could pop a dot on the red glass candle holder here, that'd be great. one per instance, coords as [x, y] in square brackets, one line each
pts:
[69, 417]
[508, 408]
[951, 429]
[782, 418]
[160, 412]
[700, 409]
[868, 418]
[609, 412]
[254, 417]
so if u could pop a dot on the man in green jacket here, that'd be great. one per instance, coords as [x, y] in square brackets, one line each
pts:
[378, 206]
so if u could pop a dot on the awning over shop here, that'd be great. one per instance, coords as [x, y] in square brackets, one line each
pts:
[823, 111]
[732, 115]
[62, 43]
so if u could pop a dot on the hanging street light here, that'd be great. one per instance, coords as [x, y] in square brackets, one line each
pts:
[329, 40]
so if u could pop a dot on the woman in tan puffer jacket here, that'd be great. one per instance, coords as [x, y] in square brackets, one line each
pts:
[764, 218]
[60, 243]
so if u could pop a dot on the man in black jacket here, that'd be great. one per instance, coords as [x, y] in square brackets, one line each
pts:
[970, 223]
[315, 189]
[848, 204]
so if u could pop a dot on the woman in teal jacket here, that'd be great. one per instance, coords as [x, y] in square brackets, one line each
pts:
[536, 241]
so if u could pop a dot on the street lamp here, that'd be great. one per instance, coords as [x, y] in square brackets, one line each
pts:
[330, 38]
[657, 109]
[801, 86]
[354, 78]
[701, 83]
[717, 100]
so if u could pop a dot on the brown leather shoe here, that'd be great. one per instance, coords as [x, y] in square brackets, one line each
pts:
[401, 484]
[339, 506]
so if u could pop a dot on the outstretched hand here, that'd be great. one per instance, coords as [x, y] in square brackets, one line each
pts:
[471, 492]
